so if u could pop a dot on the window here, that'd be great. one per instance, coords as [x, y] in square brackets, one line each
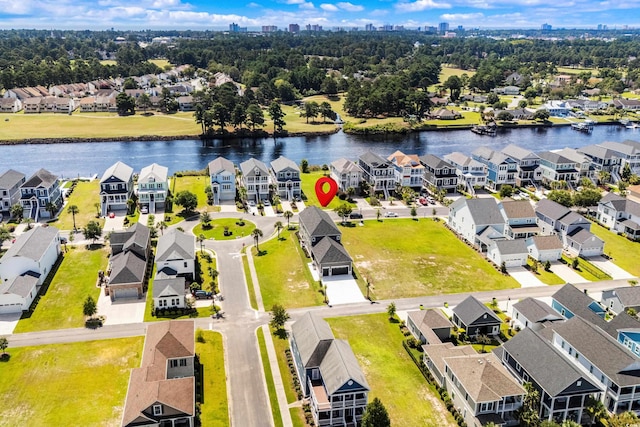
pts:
[157, 410]
[183, 362]
[518, 367]
[173, 363]
[185, 264]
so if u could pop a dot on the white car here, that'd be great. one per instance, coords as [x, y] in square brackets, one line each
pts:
[391, 215]
[144, 210]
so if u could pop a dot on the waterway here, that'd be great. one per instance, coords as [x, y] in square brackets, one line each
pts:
[86, 159]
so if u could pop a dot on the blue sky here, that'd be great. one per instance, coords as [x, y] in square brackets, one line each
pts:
[218, 14]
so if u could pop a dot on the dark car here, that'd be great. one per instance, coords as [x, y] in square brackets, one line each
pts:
[355, 215]
[203, 295]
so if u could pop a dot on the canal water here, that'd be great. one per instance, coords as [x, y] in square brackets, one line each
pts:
[85, 159]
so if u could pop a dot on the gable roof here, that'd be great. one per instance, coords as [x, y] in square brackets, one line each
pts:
[134, 238]
[551, 209]
[511, 247]
[31, 244]
[550, 242]
[343, 165]
[118, 170]
[10, 178]
[537, 311]
[312, 336]
[374, 160]
[580, 235]
[282, 163]
[221, 165]
[176, 245]
[404, 160]
[20, 285]
[328, 250]
[170, 286]
[437, 353]
[629, 296]
[597, 151]
[154, 170]
[42, 178]
[248, 166]
[339, 366]
[518, 153]
[317, 222]
[483, 211]
[554, 158]
[517, 209]
[578, 303]
[545, 364]
[435, 162]
[431, 318]
[470, 309]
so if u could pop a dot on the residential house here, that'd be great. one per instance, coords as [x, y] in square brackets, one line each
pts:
[153, 186]
[556, 108]
[162, 391]
[528, 165]
[470, 218]
[40, 192]
[444, 114]
[545, 248]
[521, 114]
[534, 314]
[633, 193]
[87, 104]
[584, 243]
[475, 318]
[378, 172]
[569, 301]
[346, 174]
[608, 363]
[408, 169]
[320, 236]
[501, 169]
[602, 159]
[585, 168]
[116, 188]
[628, 154]
[513, 253]
[434, 355]
[563, 388]
[169, 292]
[185, 103]
[329, 373]
[222, 175]
[626, 104]
[32, 105]
[255, 178]
[25, 266]
[429, 326]
[470, 172]
[620, 215]
[129, 262]
[555, 167]
[507, 90]
[621, 299]
[285, 175]
[519, 218]
[10, 182]
[515, 79]
[439, 175]
[10, 105]
[176, 254]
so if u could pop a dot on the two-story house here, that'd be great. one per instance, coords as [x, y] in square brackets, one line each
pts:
[471, 173]
[438, 174]
[129, 262]
[528, 164]
[285, 175]
[116, 188]
[621, 299]
[475, 318]
[320, 236]
[10, 182]
[378, 172]
[478, 221]
[255, 178]
[329, 373]
[153, 185]
[162, 391]
[409, 171]
[620, 214]
[628, 154]
[40, 192]
[222, 175]
[586, 169]
[520, 219]
[346, 173]
[603, 159]
[555, 167]
[501, 169]
[176, 254]
[533, 313]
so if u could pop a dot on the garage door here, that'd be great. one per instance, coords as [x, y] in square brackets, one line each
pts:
[10, 308]
[340, 270]
[126, 293]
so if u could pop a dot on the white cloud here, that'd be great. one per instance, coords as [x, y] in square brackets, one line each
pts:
[420, 5]
[475, 17]
[307, 5]
[350, 7]
[329, 7]
[253, 5]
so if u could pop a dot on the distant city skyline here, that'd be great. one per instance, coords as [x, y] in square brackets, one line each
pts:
[329, 14]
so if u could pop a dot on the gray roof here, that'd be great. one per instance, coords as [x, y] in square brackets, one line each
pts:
[282, 163]
[578, 302]
[554, 157]
[20, 285]
[317, 222]
[551, 209]
[435, 162]
[159, 173]
[574, 155]
[597, 151]
[134, 238]
[618, 202]
[248, 166]
[172, 286]
[471, 309]
[484, 152]
[632, 143]
[622, 321]
[601, 350]
[544, 363]
[375, 160]
[32, 244]
[619, 147]
[547, 242]
[483, 211]
[518, 209]
[536, 310]
[118, 170]
[339, 366]
[127, 267]
[580, 235]
[507, 247]
[573, 218]
[343, 165]
[458, 158]
[221, 164]
[176, 245]
[10, 178]
[328, 250]
[42, 178]
[518, 153]
[312, 336]
[628, 296]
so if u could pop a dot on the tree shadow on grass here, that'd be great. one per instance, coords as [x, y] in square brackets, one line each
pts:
[5, 357]
[281, 333]
[262, 253]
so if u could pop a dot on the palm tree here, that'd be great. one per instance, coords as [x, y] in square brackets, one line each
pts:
[97, 206]
[51, 208]
[201, 240]
[278, 226]
[288, 215]
[257, 234]
[29, 222]
[17, 211]
[604, 176]
[73, 210]
[162, 225]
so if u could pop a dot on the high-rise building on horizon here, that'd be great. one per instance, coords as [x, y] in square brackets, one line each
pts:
[269, 28]
[443, 27]
[294, 28]
[369, 27]
[235, 28]
[546, 27]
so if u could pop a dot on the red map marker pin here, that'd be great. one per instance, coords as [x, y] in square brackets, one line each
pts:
[325, 197]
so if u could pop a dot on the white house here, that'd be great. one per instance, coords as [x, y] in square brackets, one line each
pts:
[534, 314]
[169, 292]
[545, 248]
[152, 187]
[556, 108]
[620, 214]
[471, 173]
[222, 175]
[256, 179]
[512, 252]
[175, 254]
[346, 173]
[116, 187]
[285, 175]
[25, 266]
[472, 217]
[408, 169]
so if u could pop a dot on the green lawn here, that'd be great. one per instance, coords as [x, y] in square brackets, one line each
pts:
[54, 384]
[546, 277]
[619, 248]
[283, 274]
[405, 258]
[61, 306]
[280, 345]
[253, 300]
[309, 189]
[296, 124]
[217, 229]
[84, 196]
[195, 184]
[271, 388]
[392, 375]
[215, 409]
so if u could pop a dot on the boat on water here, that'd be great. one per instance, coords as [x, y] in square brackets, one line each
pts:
[586, 127]
[490, 130]
[624, 122]
[632, 125]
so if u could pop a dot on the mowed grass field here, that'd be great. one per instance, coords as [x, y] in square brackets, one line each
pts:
[308, 186]
[392, 375]
[61, 307]
[53, 385]
[215, 409]
[619, 248]
[406, 258]
[84, 196]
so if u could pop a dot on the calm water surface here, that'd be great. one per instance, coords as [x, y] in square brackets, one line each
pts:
[86, 159]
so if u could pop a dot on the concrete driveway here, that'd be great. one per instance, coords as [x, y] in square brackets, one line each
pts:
[8, 323]
[566, 273]
[610, 268]
[342, 289]
[115, 223]
[523, 276]
[121, 311]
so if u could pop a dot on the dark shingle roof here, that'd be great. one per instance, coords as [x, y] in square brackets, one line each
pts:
[313, 337]
[42, 178]
[375, 160]
[20, 285]
[551, 209]
[317, 222]
[536, 310]
[10, 178]
[176, 245]
[471, 309]
[578, 302]
[435, 162]
[127, 267]
[628, 296]
[32, 244]
[339, 366]
[328, 250]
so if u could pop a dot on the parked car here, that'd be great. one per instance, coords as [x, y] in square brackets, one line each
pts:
[431, 200]
[251, 203]
[266, 203]
[112, 214]
[200, 294]
[144, 210]
[391, 215]
[355, 215]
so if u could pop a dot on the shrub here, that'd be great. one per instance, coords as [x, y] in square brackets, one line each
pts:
[200, 336]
